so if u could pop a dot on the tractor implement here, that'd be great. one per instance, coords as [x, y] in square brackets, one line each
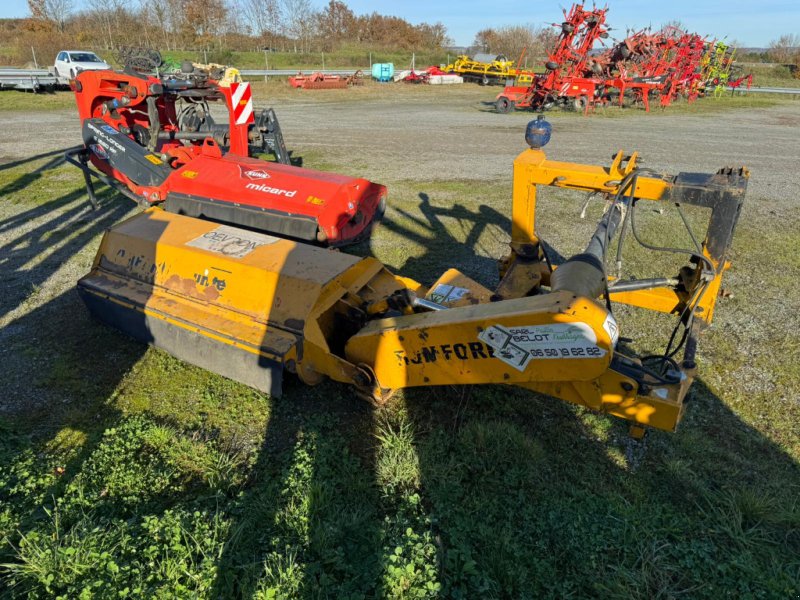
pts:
[486, 69]
[252, 306]
[153, 138]
[668, 64]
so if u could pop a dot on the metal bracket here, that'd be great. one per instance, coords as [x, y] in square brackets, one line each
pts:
[82, 162]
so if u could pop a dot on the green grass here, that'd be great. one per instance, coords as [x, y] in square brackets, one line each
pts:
[344, 58]
[143, 477]
[14, 100]
[701, 106]
[771, 76]
[710, 105]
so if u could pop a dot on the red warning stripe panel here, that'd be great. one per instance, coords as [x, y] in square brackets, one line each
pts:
[242, 101]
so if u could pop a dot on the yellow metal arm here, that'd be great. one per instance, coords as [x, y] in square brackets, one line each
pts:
[723, 193]
[532, 168]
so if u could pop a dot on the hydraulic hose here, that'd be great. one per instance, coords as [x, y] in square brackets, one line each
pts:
[584, 274]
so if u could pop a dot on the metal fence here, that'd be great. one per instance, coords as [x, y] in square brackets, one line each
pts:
[290, 72]
[767, 90]
[27, 79]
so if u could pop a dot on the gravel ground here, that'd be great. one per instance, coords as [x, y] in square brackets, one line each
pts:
[391, 140]
[44, 251]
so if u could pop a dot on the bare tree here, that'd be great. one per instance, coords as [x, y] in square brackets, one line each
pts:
[263, 18]
[673, 24]
[203, 19]
[38, 9]
[336, 24]
[106, 13]
[511, 40]
[55, 11]
[176, 17]
[786, 49]
[299, 21]
[59, 11]
[485, 40]
[156, 15]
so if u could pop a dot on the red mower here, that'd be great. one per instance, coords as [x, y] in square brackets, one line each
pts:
[153, 138]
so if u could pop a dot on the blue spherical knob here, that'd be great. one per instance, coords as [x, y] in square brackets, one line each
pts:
[537, 133]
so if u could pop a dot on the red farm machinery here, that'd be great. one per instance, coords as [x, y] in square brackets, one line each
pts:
[665, 65]
[571, 75]
[154, 137]
[322, 81]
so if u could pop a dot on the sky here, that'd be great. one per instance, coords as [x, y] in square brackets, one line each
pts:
[752, 22]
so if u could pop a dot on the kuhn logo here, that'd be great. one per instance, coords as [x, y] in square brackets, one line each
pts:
[270, 190]
[253, 174]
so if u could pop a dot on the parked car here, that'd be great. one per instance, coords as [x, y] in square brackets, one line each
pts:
[71, 62]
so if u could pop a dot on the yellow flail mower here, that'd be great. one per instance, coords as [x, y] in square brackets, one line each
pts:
[252, 306]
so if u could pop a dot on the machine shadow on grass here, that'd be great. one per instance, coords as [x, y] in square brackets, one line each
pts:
[61, 368]
[58, 239]
[70, 368]
[443, 249]
[308, 517]
[318, 442]
[68, 223]
[56, 160]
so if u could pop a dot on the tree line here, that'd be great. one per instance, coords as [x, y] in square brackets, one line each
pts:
[232, 25]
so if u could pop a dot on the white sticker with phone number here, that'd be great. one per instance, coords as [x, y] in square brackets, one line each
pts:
[517, 346]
